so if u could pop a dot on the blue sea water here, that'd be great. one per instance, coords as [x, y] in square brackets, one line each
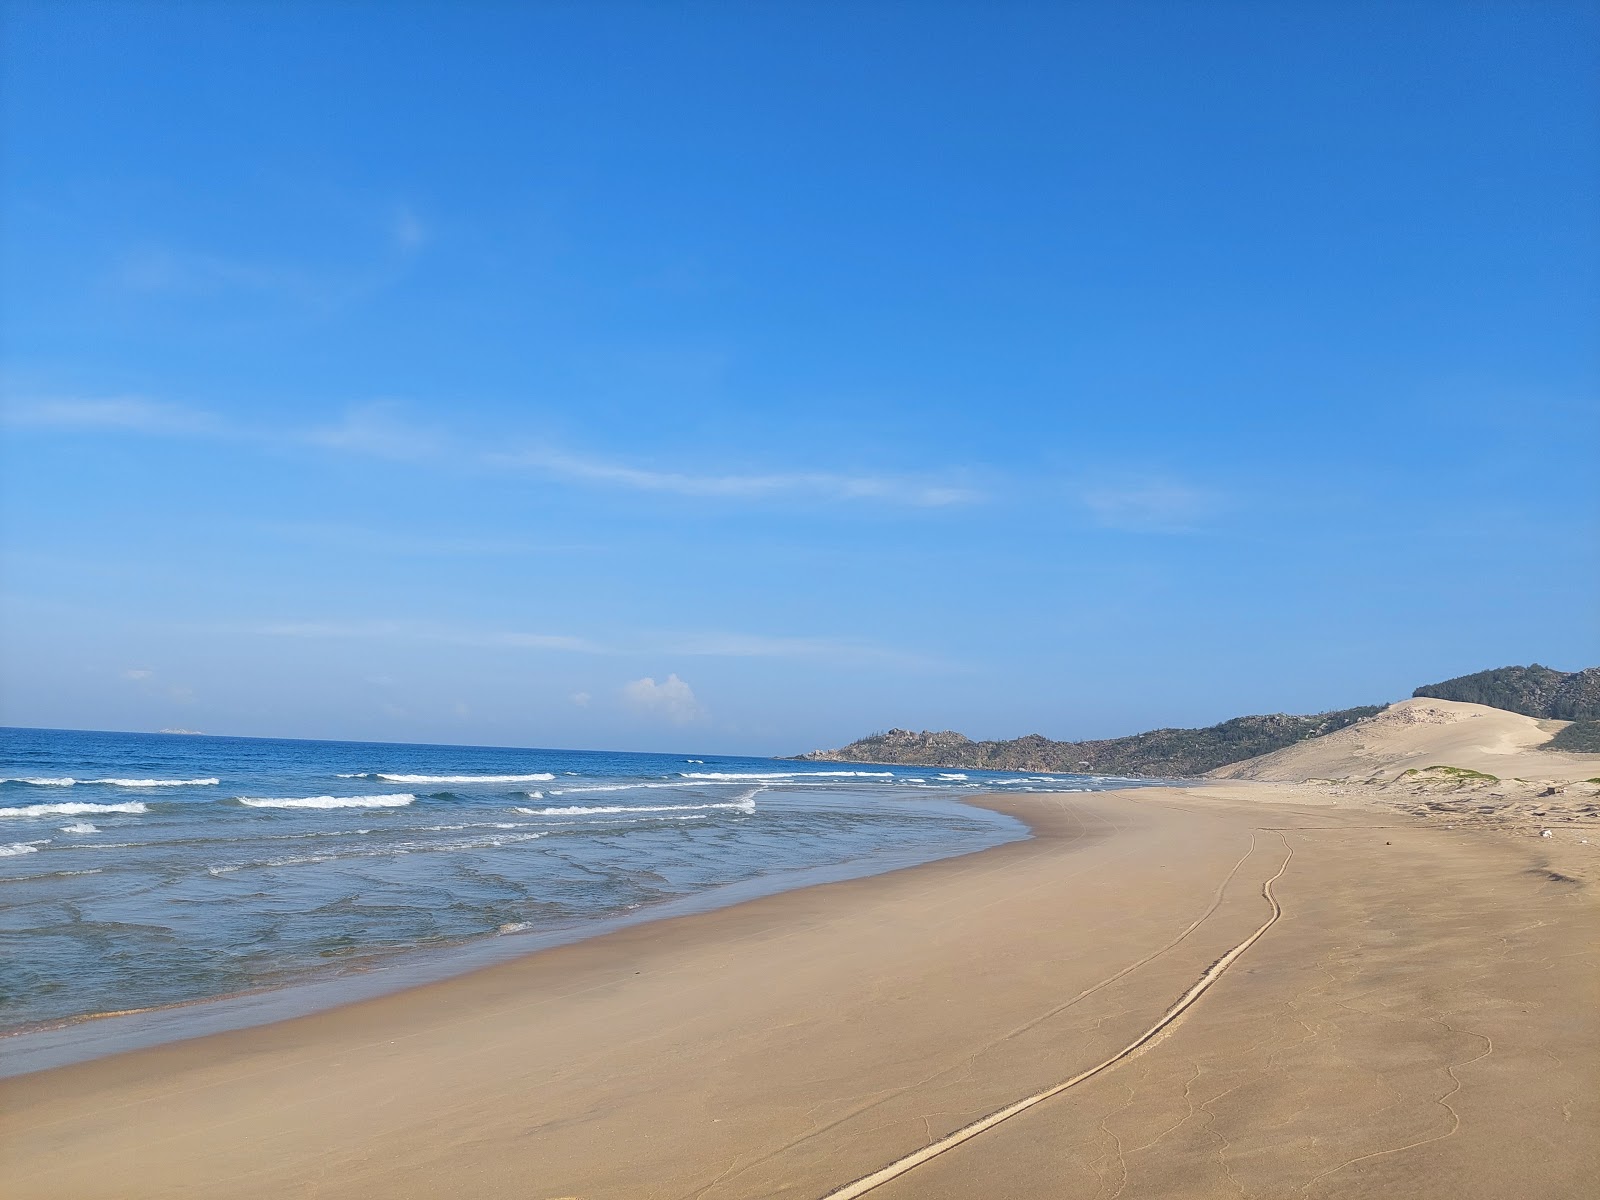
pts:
[141, 870]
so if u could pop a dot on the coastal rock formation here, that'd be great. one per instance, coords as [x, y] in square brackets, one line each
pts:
[1161, 752]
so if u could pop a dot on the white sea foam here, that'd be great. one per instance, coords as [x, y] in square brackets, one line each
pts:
[535, 777]
[16, 848]
[394, 851]
[72, 809]
[747, 805]
[951, 775]
[396, 801]
[627, 787]
[534, 795]
[736, 775]
[210, 781]
[68, 781]
[80, 827]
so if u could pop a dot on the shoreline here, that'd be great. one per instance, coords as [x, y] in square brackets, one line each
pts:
[61, 1043]
[791, 1044]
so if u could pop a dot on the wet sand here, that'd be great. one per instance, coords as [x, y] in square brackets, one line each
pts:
[1421, 1020]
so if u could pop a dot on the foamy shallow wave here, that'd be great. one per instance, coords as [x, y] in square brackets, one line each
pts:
[17, 848]
[398, 850]
[68, 781]
[535, 777]
[72, 809]
[951, 775]
[398, 800]
[747, 805]
[80, 827]
[623, 787]
[786, 774]
[209, 781]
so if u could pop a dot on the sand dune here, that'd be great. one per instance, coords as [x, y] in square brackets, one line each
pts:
[1418, 734]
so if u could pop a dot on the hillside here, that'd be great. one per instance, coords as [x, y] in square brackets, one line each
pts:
[1162, 752]
[1533, 691]
[1426, 742]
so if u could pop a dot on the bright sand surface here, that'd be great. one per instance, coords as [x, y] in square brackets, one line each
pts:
[1421, 1021]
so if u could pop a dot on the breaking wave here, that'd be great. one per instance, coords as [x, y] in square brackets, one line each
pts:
[536, 777]
[71, 809]
[68, 781]
[624, 787]
[746, 805]
[399, 800]
[209, 781]
[786, 774]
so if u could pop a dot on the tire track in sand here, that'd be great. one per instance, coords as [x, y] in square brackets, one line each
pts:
[866, 1183]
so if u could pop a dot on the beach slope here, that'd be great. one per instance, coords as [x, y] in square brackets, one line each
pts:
[1407, 1010]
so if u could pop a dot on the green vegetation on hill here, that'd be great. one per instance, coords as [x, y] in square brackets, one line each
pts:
[1163, 752]
[1533, 691]
[1581, 737]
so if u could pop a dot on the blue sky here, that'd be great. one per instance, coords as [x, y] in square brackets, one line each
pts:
[749, 377]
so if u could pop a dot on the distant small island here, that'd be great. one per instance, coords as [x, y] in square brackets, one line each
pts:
[190, 732]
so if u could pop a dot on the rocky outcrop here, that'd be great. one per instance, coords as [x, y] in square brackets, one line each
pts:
[1161, 752]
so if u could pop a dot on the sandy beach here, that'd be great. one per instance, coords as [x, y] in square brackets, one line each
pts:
[1420, 1021]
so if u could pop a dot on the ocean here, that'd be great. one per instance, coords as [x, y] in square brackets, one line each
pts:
[147, 870]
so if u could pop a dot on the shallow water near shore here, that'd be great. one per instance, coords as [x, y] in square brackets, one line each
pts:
[147, 870]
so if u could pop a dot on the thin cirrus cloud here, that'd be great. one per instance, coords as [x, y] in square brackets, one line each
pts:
[1154, 506]
[377, 431]
[755, 645]
[368, 540]
[118, 414]
[688, 645]
[155, 269]
[825, 485]
[421, 632]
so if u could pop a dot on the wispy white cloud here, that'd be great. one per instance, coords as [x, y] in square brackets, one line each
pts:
[757, 645]
[378, 431]
[376, 251]
[125, 414]
[381, 541]
[672, 698]
[155, 268]
[686, 644]
[408, 231]
[824, 485]
[1152, 506]
[421, 631]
